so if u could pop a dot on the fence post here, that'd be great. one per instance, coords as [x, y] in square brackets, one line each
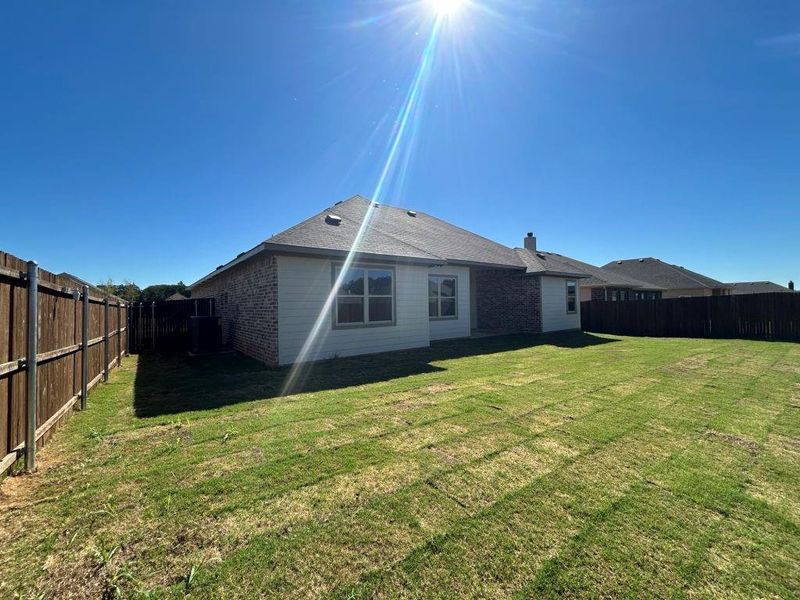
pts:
[85, 348]
[140, 329]
[105, 339]
[33, 343]
[153, 324]
[196, 308]
[119, 332]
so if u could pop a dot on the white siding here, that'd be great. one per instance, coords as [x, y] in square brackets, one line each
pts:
[442, 329]
[303, 286]
[554, 306]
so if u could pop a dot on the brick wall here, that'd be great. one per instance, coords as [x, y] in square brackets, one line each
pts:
[508, 301]
[247, 301]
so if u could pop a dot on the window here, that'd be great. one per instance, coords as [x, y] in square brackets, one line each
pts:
[365, 296]
[617, 294]
[572, 296]
[442, 290]
[648, 295]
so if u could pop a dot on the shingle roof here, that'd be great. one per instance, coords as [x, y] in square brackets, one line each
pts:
[540, 261]
[756, 287]
[665, 275]
[395, 232]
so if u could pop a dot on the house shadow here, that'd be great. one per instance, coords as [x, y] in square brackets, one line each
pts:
[170, 383]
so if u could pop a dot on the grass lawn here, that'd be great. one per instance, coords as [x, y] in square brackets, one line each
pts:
[563, 466]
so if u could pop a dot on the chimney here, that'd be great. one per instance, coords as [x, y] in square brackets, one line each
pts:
[530, 242]
[791, 285]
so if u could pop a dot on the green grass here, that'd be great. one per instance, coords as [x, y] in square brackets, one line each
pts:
[562, 466]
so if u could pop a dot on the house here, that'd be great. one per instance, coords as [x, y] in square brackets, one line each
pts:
[177, 296]
[597, 283]
[674, 281]
[300, 295]
[756, 287]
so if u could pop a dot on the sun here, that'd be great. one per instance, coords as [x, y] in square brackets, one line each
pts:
[446, 8]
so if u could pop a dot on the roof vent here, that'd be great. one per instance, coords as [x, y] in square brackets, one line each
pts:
[338, 203]
[540, 255]
[332, 219]
[641, 260]
[411, 213]
[619, 262]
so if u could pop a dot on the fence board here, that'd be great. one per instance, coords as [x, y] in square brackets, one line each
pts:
[59, 335]
[773, 316]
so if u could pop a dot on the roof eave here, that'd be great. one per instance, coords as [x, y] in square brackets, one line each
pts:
[333, 253]
[486, 265]
[239, 259]
[560, 274]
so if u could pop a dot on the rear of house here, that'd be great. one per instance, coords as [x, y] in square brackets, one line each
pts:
[361, 278]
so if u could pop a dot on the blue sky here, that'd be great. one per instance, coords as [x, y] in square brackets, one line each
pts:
[153, 141]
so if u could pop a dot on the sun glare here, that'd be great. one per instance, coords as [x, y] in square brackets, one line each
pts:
[446, 8]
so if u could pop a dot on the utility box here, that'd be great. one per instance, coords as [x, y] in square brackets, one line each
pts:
[206, 335]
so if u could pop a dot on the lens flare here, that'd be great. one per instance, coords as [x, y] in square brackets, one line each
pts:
[407, 113]
[446, 8]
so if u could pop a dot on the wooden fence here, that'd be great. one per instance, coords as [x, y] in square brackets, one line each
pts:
[774, 316]
[165, 325]
[48, 364]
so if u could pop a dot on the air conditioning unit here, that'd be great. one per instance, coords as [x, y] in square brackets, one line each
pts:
[206, 335]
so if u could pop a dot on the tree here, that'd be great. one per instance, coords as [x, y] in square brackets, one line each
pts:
[162, 291]
[127, 290]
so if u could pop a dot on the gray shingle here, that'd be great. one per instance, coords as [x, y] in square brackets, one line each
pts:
[665, 275]
[541, 262]
[392, 231]
[755, 287]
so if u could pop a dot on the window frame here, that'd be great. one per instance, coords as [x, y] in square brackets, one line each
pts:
[439, 316]
[574, 282]
[366, 267]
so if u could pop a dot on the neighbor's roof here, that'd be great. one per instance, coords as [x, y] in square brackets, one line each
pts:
[542, 262]
[665, 275]
[393, 231]
[756, 287]
[178, 296]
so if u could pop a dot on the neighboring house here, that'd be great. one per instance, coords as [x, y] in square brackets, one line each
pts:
[756, 287]
[597, 283]
[675, 281]
[414, 278]
[177, 296]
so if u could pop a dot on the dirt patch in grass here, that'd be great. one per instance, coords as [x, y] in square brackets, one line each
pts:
[438, 388]
[419, 437]
[730, 438]
[319, 502]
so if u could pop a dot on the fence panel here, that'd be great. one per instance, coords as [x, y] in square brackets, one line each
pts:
[773, 316]
[58, 360]
[165, 325]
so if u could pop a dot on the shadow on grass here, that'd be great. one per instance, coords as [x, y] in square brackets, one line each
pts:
[173, 383]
